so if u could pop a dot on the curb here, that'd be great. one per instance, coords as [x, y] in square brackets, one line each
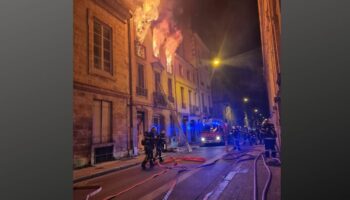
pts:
[84, 178]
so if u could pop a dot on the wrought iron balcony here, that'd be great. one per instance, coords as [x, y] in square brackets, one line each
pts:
[141, 91]
[159, 99]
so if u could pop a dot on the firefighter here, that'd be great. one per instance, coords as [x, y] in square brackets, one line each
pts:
[160, 144]
[269, 134]
[252, 137]
[259, 135]
[148, 143]
[236, 139]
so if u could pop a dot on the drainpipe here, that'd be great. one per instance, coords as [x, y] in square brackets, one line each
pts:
[131, 142]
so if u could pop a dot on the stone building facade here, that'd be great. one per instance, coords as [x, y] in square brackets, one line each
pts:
[121, 89]
[153, 96]
[270, 28]
[101, 87]
[193, 89]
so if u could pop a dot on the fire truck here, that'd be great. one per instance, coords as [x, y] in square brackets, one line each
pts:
[213, 132]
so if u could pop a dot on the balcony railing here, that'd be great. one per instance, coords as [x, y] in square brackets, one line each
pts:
[159, 99]
[141, 91]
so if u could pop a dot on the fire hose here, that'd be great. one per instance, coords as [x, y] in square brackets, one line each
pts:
[181, 169]
[96, 189]
[166, 169]
[206, 165]
[268, 181]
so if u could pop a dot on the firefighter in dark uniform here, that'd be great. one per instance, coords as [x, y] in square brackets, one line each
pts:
[236, 139]
[269, 134]
[160, 145]
[148, 143]
[259, 135]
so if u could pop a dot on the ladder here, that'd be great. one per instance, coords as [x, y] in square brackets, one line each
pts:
[176, 118]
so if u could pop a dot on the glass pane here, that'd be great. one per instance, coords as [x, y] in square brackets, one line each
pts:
[97, 62]
[97, 51]
[106, 32]
[107, 66]
[97, 27]
[107, 56]
[97, 40]
[106, 45]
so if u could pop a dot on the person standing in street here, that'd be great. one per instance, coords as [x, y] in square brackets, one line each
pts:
[259, 135]
[160, 145]
[270, 135]
[236, 139]
[148, 143]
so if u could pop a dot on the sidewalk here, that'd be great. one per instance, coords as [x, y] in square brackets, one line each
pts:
[112, 166]
[105, 168]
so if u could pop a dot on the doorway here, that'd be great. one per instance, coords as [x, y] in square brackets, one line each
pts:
[141, 128]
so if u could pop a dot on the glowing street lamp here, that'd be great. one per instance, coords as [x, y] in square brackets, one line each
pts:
[245, 100]
[256, 110]
[216, 62]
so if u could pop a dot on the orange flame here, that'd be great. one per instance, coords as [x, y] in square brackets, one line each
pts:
[171, 44]
[160, 32]
[144, 15]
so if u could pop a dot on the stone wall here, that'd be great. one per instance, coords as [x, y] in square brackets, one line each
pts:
[89, 84]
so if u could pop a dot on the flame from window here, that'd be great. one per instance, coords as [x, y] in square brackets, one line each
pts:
[172, 43]
[143, 17]
[160, 33]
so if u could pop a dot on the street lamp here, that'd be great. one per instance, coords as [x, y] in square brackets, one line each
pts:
[216, 62]
[245, 100]
[256, 110]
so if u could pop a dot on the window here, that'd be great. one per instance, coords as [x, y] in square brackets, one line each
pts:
[170, 87]
[188, 75]
[140, 76]
[189, 98]
[203, 103]
[182, 97]
[169, 68]
[102, 46]
[181, 70]
[140, 50]
[195, 99]
[194, 77]
[157, 81]
[102, 122]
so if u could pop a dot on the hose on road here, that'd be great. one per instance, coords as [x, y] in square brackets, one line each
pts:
[96, 189]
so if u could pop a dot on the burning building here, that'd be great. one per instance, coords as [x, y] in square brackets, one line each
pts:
[127, 77]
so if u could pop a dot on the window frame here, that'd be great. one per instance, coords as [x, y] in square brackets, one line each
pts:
[92, 19]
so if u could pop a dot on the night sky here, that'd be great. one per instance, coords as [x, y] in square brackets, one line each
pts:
[230, 28]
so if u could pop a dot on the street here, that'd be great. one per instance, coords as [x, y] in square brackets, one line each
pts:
[224, 179]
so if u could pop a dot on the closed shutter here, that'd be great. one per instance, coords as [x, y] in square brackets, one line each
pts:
[96, 123]
[106, 122]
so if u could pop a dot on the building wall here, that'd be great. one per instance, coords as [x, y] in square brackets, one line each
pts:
[90, 84]
[270, 28]
[146, 103]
